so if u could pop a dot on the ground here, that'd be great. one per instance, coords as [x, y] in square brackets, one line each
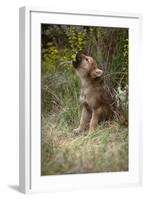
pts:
[104, 150]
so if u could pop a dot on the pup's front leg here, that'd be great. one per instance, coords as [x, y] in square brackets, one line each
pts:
[84, 120]
[95, 119]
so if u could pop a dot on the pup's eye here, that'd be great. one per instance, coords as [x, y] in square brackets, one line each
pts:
[87, 59]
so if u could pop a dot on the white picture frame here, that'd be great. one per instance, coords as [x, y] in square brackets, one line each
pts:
[29, 160]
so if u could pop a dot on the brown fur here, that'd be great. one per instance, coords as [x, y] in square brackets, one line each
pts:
[95, 100]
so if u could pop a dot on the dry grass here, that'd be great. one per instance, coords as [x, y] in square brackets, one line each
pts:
[105, 150]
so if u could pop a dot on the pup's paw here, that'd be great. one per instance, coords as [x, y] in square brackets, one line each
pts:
[92, 130]
[77, 131]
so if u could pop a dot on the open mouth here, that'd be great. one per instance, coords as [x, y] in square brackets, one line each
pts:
[78, 60]
[75, 64]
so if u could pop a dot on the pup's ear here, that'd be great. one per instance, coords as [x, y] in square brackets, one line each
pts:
[96, 73]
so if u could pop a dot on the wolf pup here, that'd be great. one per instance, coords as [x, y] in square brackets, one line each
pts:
[96, 102]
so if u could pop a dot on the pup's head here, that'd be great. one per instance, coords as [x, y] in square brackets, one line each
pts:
[86, 66]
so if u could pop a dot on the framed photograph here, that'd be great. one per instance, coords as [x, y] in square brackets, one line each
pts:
[80, 100]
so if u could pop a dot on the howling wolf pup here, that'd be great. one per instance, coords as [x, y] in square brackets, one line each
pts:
[96, 102]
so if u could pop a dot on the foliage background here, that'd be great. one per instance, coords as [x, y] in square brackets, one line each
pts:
[62, 152]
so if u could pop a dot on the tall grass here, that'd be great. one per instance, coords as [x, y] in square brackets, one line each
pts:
[60, 93]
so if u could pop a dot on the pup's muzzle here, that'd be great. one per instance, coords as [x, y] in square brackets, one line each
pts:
[79, 56]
